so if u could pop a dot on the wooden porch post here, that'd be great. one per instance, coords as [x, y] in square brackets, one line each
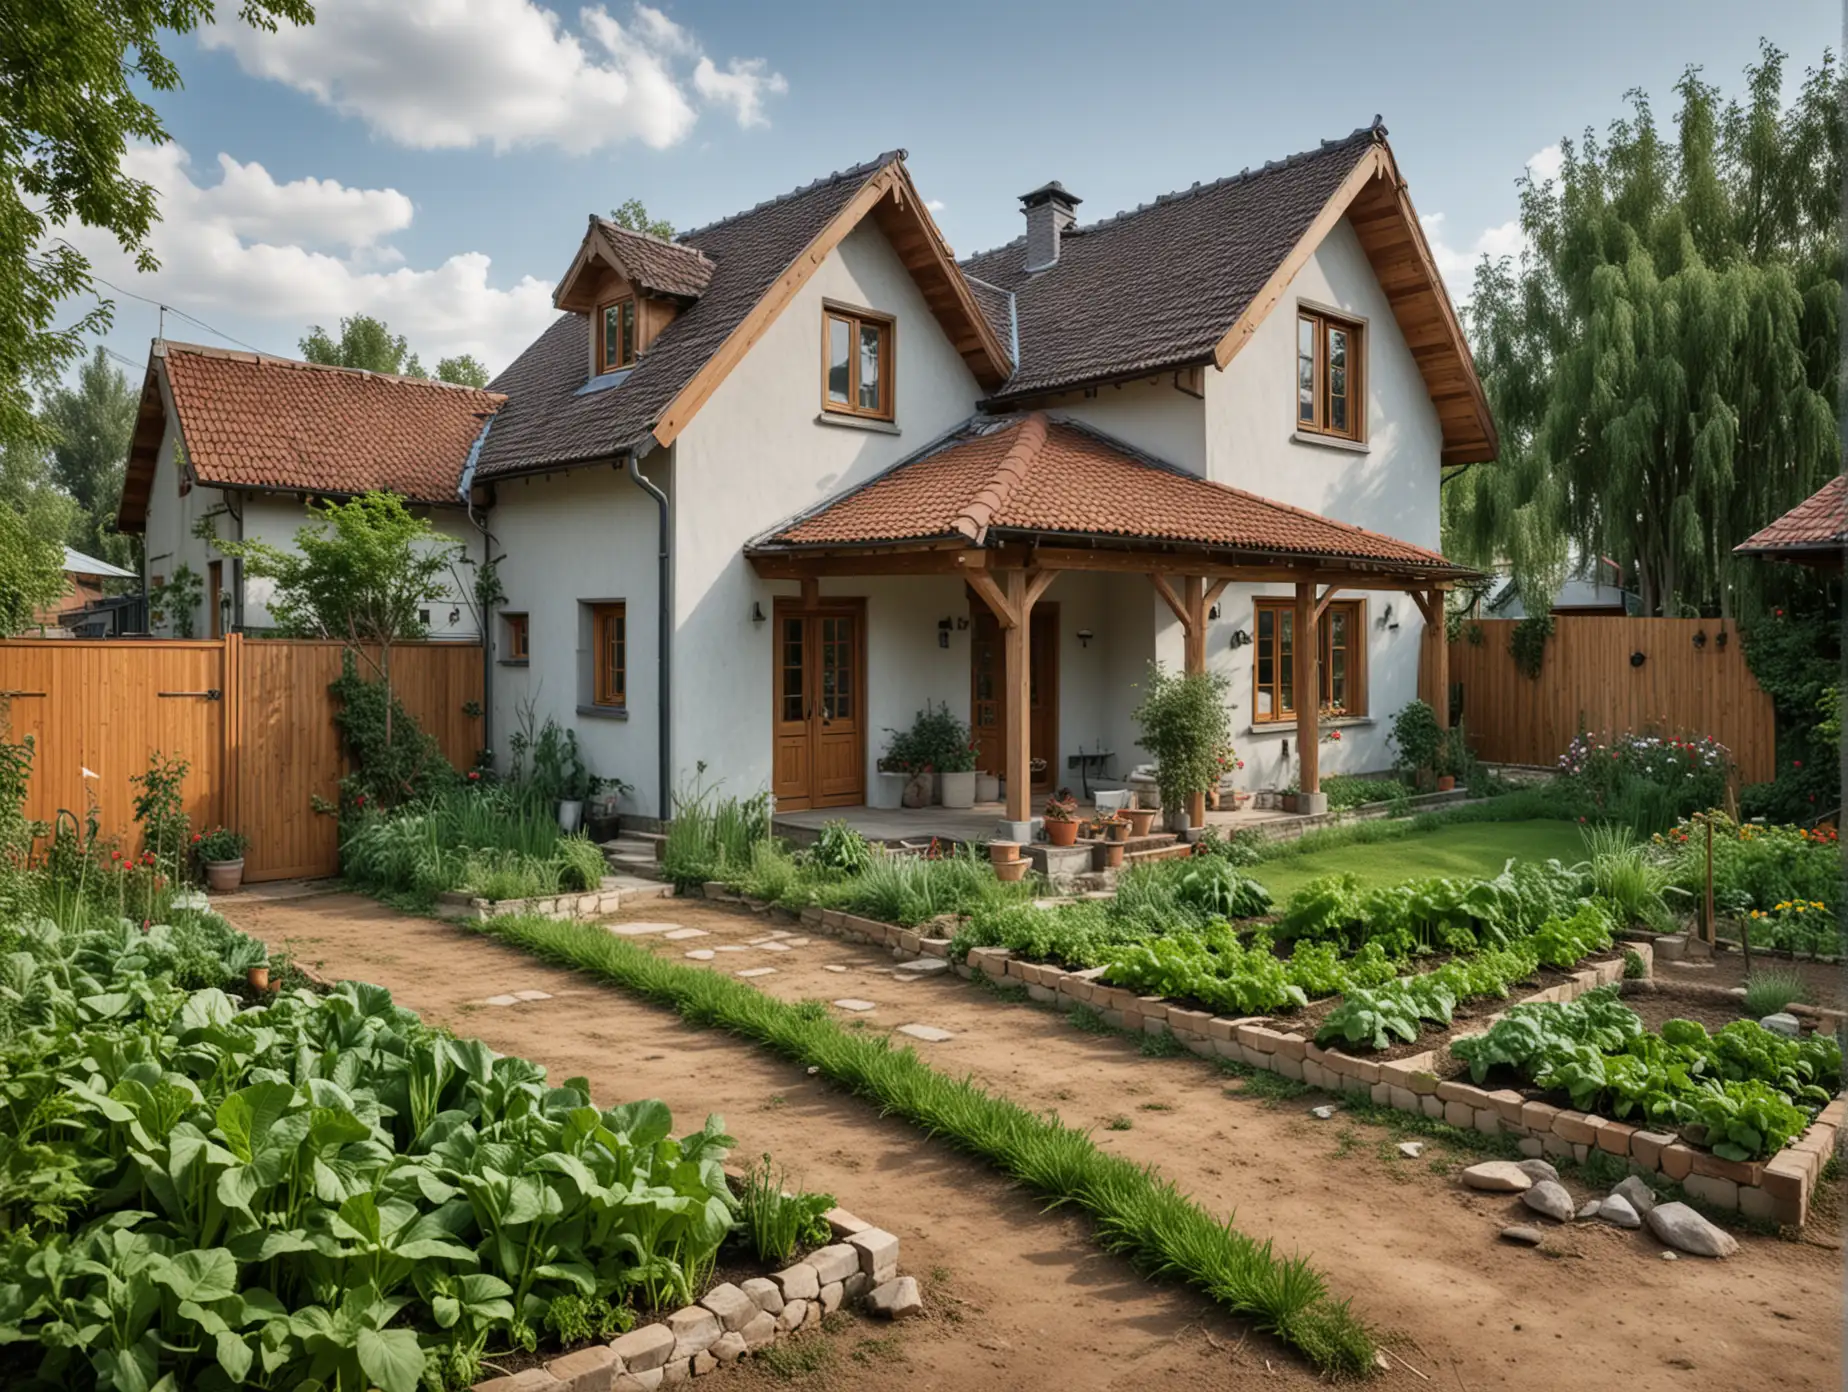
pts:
[1440, 661]
[1193, 596]
[1308, 682]
[1016, 639]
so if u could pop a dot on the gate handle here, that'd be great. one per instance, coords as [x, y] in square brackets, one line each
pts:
[213, 694]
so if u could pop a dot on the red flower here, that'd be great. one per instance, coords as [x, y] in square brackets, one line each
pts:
[1796, 763]
[198, 836]
[115, 855]
[473, 775]
[1779, 613]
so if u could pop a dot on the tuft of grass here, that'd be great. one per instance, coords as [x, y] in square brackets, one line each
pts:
[1089, 1021]
[1163, 1045]
[1118, 1122]
[1134, 1210]
[1262, 1083]
[1770, 989]
[793, 1360]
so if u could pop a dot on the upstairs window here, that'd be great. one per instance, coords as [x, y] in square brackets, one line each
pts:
[856, 363]
[616, 336]
[1328, 375]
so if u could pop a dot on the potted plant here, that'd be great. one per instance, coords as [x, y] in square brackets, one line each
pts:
[1141, 819]
[1061, 816]
[1185, 726]
[1453, 758]
[892, 772]
[560, 775]
[221, 856]
[956, 770]
[603, 815]
[1107, 855]
[1012, 871]
[1419, 742]
[1114, 826]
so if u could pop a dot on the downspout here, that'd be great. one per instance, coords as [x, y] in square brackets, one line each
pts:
[664, 665]
[465, 488]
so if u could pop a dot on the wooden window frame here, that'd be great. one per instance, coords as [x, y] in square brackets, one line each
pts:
[1284, 605]
[1322, 320]
[518, 626]
[603, 338]
[609, 681]
[855, 319]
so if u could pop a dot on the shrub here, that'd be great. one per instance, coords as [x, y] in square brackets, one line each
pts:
[1769, 990]
[1646, 780]
[1417, 737]
[776, 1223]
[1627, 877]
[1186, 725]
[710, 837]
[1754, 866]
[219, 844]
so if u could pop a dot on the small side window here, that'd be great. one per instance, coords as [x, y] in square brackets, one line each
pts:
[616, 335]
[515, 646]
[856, 363]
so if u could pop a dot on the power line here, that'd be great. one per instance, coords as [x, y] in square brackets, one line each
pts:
[171, 309]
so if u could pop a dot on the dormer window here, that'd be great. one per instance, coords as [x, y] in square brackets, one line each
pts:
[616, 336]
[856, 363]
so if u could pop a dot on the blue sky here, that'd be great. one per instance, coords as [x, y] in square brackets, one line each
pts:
[432, 161]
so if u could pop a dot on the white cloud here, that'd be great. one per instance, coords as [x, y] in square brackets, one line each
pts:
[1457, 264]
[284, 256]
[451, 74]
[934, 204]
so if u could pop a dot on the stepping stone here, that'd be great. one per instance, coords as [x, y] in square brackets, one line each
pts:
[921, 966]
[532, 995]
[1498, 1177]
[857, 1006]
[758, 971]
[681, 934]
[759, 942]
[779, 933]
[1411, 1150]
[729, 947]
[702, 954]
[930, 1034]
[798, 942]
[502, 1000]
[830, 966]
[774, 947]
[641, 930]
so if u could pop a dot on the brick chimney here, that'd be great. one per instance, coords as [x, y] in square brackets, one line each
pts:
[1050, 210]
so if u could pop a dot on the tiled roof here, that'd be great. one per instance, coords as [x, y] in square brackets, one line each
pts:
[1033, 475]
[251, 421]
[657, 267]
[1160, 286]
[551, 419]
[1819, 522]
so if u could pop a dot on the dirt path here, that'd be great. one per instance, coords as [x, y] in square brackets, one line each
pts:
[1597, 1308]
[1017, 1299]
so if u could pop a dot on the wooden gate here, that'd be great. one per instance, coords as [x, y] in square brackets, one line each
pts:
[252, 718]
[1692, 679]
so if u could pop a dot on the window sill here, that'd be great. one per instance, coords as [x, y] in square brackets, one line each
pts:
[1334, 442]
[604, 712]
[514, 662]
[1286, 729]
[872, 423]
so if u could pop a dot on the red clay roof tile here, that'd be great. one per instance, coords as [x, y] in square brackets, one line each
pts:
[1819, 521]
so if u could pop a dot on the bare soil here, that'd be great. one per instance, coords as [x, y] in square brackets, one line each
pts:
[1823, 981]
[1021, 1298]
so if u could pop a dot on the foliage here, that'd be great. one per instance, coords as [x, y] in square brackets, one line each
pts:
[841, 848]
[160, 812]
[1346, 791]
[175, 601]
[72, 80]
[1240, 847]
[1416, 736]
[632, 213]
[1134, 1210]
[1795, 654]
[1214, 886]
[318, 1192]
[1662, 362]
[1211, 965]
[219, 843]
[1754, 866]
[1753, 1091]
[1802, 926]
[1527, 643]
[1081, 935]
[31, 565]
[90, 426]
[1771, 989]
[937, 741]
[369, 344]
[1185, 724]
[559, 773]
[776, 1223]
[463, 370]
[711, 837]
[392, 759]
[1628, 876]
[1060, 807]
[1644, 779]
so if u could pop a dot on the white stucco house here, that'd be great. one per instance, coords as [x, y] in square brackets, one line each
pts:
[762, 492]
[243, 442]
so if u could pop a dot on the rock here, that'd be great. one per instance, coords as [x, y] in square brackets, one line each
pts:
[1619, 1212]
[1498, 1177]
[1521, 1233]
[730, 1348]
[1322, 1113]
[831, 1296]
[833, 1263]
[1411, 1150]
[878, 1251]
[1671, 1256]
[793, 1313]
[645, 1381]
[1679, 1226]
[1537, 1170]
[1782, 1023]
[759, 1330]
[1640, 1196]
[1531, 1146]
[694, 1329]
[896, 1299]
[733, 1307]
[798, 1282]
[1550, 1197]
[644, 1349]
[1588, 1209]
[768, 1298]
[703, 1363]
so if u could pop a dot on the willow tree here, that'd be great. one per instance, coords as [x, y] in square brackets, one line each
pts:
[1662, 360]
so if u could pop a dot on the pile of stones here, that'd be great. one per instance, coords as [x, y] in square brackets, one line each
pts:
[1631, 1204]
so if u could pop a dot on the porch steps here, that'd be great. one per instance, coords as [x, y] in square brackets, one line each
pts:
[1165, 846]
[635, 853]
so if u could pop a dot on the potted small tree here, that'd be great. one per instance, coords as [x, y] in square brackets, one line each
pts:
[221, 855]
[1453, 758]
[1185, 726]
[1061, 817]
[1419, 741]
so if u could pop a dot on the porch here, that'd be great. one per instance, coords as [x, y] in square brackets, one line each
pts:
[973, 825]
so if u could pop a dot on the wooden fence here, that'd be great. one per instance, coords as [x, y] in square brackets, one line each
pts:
[251, 716]
[1589, 680]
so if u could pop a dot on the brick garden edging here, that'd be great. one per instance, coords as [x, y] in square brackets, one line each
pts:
[729, 1321]
[1777, 1189]
[615, 891]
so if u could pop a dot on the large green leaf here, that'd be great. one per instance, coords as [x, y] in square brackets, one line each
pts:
[249, 1116]
[202, 1275]
[392, 1358]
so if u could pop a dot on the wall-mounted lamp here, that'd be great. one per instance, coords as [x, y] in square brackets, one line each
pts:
[454, 614]
[757, 612]
[1213, 613]
[1387, 621]
[1700, 638]
[1637, 659]
[943, 631]
[1240, 639]
[1084, 637]
[1719, 639]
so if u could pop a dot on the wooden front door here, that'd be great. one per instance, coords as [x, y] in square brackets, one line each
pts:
[820, 706]
[988, 689]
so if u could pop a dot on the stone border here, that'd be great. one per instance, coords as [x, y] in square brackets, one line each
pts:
[614, 893]
[730, 1322]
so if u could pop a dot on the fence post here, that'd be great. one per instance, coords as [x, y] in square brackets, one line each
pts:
[230, 795]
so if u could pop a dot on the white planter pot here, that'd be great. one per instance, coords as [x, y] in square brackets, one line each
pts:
[958, 789]
[887, 790]
[987, 788]
[570, 814]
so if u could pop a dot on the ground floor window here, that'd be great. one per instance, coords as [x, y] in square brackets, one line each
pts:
[1341, 638]
[517, 648]
[609, 649]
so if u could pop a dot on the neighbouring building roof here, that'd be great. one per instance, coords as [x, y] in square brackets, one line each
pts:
[1159, 287]
[1031, 476]
[76, 563]
[252, 421]
[1815, 530]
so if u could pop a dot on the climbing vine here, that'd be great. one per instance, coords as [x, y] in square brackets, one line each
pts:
[1527, 642]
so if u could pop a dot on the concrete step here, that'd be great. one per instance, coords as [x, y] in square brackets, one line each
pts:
[1176, 850]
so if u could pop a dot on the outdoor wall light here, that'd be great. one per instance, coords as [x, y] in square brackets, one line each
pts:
[1719, 639]
[1084, 637]
[1386, 618]
[943, 631]
[757, 612]
[1213, 613]
[1637, 659]
[454, 614]
[1700, 637]
[1240, 639]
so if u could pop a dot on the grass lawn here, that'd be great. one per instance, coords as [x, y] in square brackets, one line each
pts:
[1466, 848]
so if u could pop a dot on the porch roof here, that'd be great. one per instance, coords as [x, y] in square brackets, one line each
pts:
[1029, 478]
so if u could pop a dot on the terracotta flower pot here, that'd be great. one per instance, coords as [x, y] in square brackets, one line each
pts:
[1116, 831]
[1062, 833]
[1011, 871]
[1446, 782]
[1141, 819]
[1107, 855]
[1000, 852]
[224, 876]
[258, 977]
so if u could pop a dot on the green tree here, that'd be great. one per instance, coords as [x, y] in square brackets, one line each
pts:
[28, 488]
[69, 106]
[1662, 362]
[465, 370]
[365, 343]
[92, 424]
[632, 213]
[31, 570]
[359, 572]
